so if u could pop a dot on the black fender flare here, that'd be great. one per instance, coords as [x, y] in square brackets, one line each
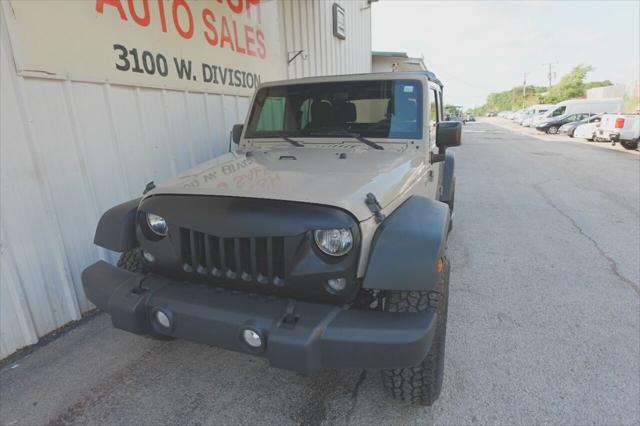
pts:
[406, 247]
[448, 176]
[117, 227]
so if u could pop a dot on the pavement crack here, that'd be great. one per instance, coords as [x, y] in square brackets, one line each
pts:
[613, 265]
[354, 395]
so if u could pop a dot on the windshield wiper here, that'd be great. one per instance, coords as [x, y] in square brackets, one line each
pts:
[291, 141]
[356, 136]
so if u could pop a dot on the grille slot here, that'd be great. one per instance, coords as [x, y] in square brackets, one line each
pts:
[259, 259]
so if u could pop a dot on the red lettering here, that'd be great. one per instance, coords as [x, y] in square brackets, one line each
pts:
[235, 8]
[163, 20]
[235, 36]
[144, 21]
[226, 34]
[115, 3]
[262, 51]
[189, 32]
[248, 36]
[209, 18]
[250, 4]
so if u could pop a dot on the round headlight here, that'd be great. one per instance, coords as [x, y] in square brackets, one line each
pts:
[334, 242]
[157, 224]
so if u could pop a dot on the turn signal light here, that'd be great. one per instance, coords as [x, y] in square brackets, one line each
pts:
[440, 265]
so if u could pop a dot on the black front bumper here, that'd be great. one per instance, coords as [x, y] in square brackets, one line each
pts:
[298, 336]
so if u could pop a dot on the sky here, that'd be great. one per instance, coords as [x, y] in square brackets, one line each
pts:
[479, 47]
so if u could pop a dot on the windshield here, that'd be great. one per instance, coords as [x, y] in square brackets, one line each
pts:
[389, 109]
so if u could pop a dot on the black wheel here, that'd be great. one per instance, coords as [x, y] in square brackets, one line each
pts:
[132, 260]
[421, 384]
[552, 130]
[629, 144]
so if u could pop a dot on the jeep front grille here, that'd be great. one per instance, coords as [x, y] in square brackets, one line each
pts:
[258, 259]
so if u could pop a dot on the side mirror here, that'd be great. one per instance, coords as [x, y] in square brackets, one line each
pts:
[236, 133]
[448, 134]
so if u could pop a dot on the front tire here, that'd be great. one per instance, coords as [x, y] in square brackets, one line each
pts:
[422, 383]
[553, 130]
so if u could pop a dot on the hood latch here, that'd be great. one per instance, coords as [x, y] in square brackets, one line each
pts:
[375, 207]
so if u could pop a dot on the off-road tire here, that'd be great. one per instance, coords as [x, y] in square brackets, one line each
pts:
[629, 144]
[421, 384]
[132, 261]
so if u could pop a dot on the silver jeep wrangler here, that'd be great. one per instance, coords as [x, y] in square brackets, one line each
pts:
[319, 243]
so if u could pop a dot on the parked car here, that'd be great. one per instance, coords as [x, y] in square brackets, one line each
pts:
[471, 117]
[586, 131]
[569, 128]
[552, 125]
[518, 115]
[313, 263]
[534, 120]
[531, 112]
[620, 128]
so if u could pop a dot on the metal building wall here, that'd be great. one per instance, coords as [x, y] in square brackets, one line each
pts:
[71, 150]
[308, 26]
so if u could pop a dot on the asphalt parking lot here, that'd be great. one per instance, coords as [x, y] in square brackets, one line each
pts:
[544, 319]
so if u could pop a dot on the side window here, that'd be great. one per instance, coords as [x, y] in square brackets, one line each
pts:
[433, 108]
[272, 117]
[559, 111]
[434, 114]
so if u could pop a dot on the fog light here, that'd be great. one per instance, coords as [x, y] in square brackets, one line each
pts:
[252, 338]
[336, 285]
[148, 256]
[163, 319]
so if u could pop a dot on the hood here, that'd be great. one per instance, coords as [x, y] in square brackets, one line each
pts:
[337, 175]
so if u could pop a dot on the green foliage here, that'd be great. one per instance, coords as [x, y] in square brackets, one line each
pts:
[452, 109]
[570, 85]
[511, 99]
[631, 105]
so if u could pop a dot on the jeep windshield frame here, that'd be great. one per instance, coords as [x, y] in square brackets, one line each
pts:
[381, 109]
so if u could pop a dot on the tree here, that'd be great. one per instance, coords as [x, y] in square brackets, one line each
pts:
[570, 85]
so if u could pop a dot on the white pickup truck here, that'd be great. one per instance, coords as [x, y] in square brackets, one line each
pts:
[623, 128]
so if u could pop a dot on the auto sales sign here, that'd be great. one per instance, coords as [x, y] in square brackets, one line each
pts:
[219, 46]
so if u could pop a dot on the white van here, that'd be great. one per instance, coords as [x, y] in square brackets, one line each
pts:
[586, 106]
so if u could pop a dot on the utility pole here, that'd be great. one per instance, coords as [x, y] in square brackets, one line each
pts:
[550, 74]
[524, 90]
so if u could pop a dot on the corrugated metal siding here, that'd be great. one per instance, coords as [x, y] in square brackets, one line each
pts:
[308, 26]
[71, 150]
